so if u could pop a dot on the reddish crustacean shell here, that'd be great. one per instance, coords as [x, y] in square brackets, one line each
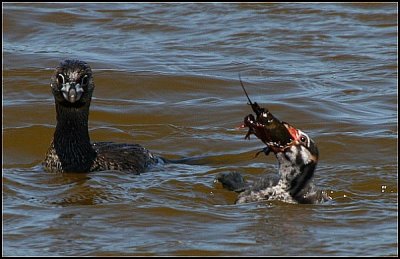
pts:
[276, 134]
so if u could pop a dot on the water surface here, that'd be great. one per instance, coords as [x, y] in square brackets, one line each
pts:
[166, 77]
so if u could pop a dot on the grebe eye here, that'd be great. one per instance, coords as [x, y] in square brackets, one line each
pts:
[60, 79]
[85, 80]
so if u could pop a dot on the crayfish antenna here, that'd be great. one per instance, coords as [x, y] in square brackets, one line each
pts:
[256, 108]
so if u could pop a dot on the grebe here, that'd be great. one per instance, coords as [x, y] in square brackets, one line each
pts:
[71, 150]
[297, 156]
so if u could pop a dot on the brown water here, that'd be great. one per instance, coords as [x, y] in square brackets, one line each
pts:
[166, 77]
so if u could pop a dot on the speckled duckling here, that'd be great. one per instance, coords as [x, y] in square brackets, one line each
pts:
[297, 155]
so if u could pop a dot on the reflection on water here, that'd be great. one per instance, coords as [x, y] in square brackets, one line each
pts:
[167, 77]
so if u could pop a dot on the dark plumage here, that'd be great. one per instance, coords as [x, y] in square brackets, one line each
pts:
[71, 150]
